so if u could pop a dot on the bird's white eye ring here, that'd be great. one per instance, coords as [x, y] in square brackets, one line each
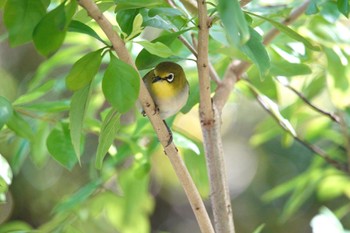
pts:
[170, 77]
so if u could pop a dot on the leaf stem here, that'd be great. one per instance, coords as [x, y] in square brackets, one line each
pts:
[332, 116]
[35, 116]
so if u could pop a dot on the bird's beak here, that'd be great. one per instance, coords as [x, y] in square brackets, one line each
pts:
[156, 79]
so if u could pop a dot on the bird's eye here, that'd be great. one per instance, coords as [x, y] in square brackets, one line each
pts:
[170, 77]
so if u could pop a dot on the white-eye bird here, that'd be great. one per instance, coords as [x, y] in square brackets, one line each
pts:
[168, 87]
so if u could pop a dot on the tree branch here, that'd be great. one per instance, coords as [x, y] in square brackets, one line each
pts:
[235, 70]
[317, 150]
[212, 72]
[153, 115]
[205, 105]
[211, 125]
[233, 73]
[290, 19]
[330, 115]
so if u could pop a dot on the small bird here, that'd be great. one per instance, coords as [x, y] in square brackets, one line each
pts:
[168, 87]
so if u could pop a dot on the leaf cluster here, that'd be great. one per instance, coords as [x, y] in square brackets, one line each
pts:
[57, 114]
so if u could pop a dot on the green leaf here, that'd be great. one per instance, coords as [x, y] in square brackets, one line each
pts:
[146, 60]
[84, 70]
[300, 194]
[142, 168]
[36, 93]
[256, 51]
[21, 17]
[343, 6]
[6, 111]
[185, 143]
[312, 8]
[337, 69]
[168, 11]
[156, 21]
[330, 12]
[196, 165]
[288, 31]
[77, 26]
[77, 111]
[283, 68]
[157, 48]
[273, 108]
[125, 19]
[2, 4]
[20, 155]
[234, 21]
[137, 204]
[50, 32]
[21, 127]
[60, 146]
[135, 4]
[282, 189]
[38, 150]
[193, 99]
[120, 85]
[15, 227]
[77, 198]
[317, 86]
[338, 185]
[136, 28]
[54, 106]
[70, 10]
[108, 132]
[5, 175]
[259, 228]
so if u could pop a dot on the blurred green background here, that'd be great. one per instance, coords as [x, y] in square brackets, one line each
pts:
[274, 180]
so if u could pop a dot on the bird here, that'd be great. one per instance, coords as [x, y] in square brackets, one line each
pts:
[169, 88]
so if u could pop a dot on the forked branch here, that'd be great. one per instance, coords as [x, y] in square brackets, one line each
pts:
[157, 123]
[211, 127]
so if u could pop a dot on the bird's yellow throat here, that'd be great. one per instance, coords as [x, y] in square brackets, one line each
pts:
[164, 90]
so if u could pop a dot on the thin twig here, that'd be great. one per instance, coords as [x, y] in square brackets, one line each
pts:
[235, 70]
[291, 18]
[317, 150]
[157, 123]
[188, 45]
[330, 115]
[212, 72]
[35, 116]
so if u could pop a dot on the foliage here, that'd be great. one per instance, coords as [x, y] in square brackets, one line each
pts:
[79, 92]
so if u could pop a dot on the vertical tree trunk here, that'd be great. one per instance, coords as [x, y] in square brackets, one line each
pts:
[210, 123]
[219, 195]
